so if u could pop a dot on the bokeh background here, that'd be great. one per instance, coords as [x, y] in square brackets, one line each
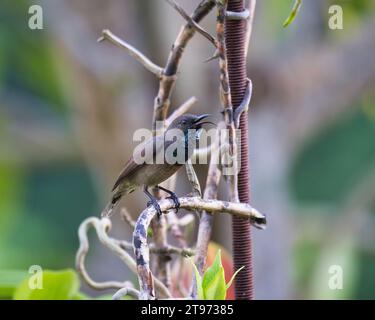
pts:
[69, 107]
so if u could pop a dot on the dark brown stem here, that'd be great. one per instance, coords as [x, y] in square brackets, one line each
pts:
[241, 232]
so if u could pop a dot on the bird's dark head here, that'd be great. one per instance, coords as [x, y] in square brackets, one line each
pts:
[189, 122]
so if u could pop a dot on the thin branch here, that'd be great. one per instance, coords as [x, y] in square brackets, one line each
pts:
[126, 291]
[186, 220]
[102, 227]
[197, 27]
[193, 179]
[139, 56]
[167, 250]
[175, 228]
[166, 85]
[125, 215]
[161, 262]
[185, 107]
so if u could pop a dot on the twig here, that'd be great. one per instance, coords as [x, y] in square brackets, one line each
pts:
[101, 227]
[185, 107]
[167, 250]
[147, 63]
[193, 179]
[127, 291]
[197, 27]
[125, 215]
[162, 100]
[175, 228]
[185, 220]
[161, 262]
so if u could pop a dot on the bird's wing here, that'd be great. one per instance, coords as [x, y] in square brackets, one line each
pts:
[131, 166]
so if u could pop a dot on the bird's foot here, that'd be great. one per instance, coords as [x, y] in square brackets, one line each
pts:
[156, 206]
[172, 196]
[175, 200]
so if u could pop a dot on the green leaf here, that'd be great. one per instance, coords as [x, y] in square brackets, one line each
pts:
[55, 285]
[235, 274]
[293, 14]
[198, 279]
[9, 281]
[213, 282]
[80, 296]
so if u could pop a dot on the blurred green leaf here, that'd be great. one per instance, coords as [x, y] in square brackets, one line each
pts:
[335, 160]
[12, 196]
[306, 255]
[198, 280]
[366, 281]
[56, 285]
[9, 281]
[293, 13]
[80, 296]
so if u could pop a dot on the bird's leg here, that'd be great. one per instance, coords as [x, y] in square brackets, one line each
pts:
[172, 196]
[152, 201]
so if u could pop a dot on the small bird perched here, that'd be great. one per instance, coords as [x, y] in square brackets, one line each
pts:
[161, 157]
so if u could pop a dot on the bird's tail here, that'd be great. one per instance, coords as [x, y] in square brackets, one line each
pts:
[109, 208]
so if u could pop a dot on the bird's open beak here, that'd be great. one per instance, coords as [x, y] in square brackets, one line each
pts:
[199, 121]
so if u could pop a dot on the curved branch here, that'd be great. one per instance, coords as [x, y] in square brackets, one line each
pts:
[139, 56]
[181, 110]
[127, 291]
[102, 227]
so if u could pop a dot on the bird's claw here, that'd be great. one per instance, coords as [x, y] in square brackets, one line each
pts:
[156, 206]
[175, 200]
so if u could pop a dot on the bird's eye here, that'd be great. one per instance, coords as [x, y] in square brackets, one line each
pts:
[184, 122]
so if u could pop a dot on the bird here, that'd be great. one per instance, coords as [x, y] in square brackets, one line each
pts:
[158, 159]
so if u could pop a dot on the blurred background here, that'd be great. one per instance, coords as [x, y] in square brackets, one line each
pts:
[69, 107]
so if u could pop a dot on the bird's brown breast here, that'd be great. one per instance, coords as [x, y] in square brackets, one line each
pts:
[153, 174]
